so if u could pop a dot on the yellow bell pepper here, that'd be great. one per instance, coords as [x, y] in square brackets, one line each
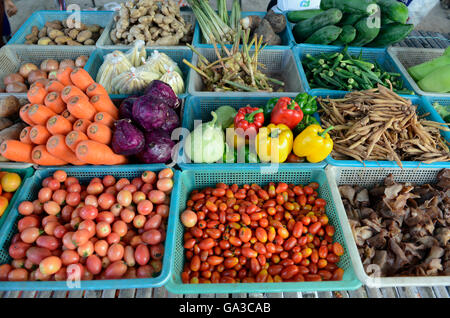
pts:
[314, 143]
[235, 140]
[274, 143]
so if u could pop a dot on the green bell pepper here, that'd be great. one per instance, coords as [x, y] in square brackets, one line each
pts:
[307, 121]
[247, 154]
[307, 103]
[268, 108]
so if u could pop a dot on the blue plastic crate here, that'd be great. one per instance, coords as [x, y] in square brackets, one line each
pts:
[198, 40]
[85, 174]
[373, 55]
[444, 101]
[39, 18]
[199, 179]
[197, 108]
[97, 57]
[423, 107]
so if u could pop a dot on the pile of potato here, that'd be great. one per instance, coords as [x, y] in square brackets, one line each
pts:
[59, 33]
[10, 124]
[30, 73]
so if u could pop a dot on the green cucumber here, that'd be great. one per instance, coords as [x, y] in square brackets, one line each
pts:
[305, 28]
[365, 7]
[391, 33]
[366, 31]
[350, 19]
[325, 35]
[347, 35]
[296, 16]
[394, 10]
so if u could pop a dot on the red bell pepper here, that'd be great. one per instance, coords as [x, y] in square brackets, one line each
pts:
[287, 112]
[249, 119]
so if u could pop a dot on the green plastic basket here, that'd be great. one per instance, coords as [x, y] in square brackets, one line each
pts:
[24, 174]
[198, 179]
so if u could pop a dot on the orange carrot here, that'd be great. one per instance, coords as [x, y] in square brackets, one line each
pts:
[39, 135]
[73, 138]
[36, 94]
[25, 135]
[81, 108]
[15, 150]
[54, 86]
[95, 89]
[54, 101]
[103, 103]
[81, 125]
[67, 115]
[71, 90]
[39, 114]
[40, 83]
[105, 119]
[99, 132]
[23, 113]
[96, 153]
[42, 157]
[58, 125]
[57, 147]
[63, 75]
[81, 78]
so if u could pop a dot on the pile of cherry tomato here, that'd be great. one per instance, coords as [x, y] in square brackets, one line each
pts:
[107, 229]
[249, 234]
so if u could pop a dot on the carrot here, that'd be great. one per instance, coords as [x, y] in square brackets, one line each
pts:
[73, 138]
[67, 115]
[81, 108]
[58, 125]
[105, 119]
[81, 125]
[57, 147]
[99, 132]
[103, 103]
[39, 83]
[39, 135]
[71, 90]
[15, 150]
[23, 114]
[63, 75]
[96, 153]
[95, 89]
[81, 78]
[39, 114]
[36, 95]
[54, 101]
[42, 157]
[54, 86]
[25, 135]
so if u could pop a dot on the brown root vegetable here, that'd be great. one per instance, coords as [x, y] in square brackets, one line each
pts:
[12, 132]
[89, 42]
[26, 68]
[13, 78]
[35, 75]
[16, 87]
[251, 22]
[9, 106]
[5, 123]
[53, 34]
[81, 61]
[49, 65]
[83, 36]
[63, 39]
[269, 36]
[276, 20]
[44, 41]
[67, 63]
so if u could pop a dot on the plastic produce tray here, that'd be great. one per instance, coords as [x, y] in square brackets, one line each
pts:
[13, 56]
[24, 175]
[369, 177]
[280, 64]
[373, 55]
[405, 57]
[444, 101]
[104, 42]
[198, 179]
[84, 174]
[423, 107]
[96, 60]
[39, 18]
[197, 108]
[199, 41]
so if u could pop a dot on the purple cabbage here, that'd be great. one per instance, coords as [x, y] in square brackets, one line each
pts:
[127, 139]
[153, 113]
[126, 107]
[158, 147]
[161, 90]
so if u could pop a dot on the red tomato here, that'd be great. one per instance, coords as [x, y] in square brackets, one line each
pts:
[156, 196]
[60, 175]
[145, 207]
[115, 252]
[88, 212]
[106, 201]
[113, 238]
[4, 271]
[151, 237]
[26, 208]
[50, 265]
[148, 177]
[91, 200]
[45, 194]
[103, 229]
[18, 274]
[30, 235]
[142, 254]
[139, 221]
[101, 247]
[36, 254]
[70, 180]
[105, 216]
[127, 215]
[165, 173]
[73, 198]
[94, 264]
[37, 207]
[52, 208]
[80, 237]
[27, 221]
[165, 184]
[108, 180]
[53, 184]
[88, 225]
[86, 249]
[95, 188]
[48, 241]
[120, 227]
[163, 210]
[67, 241]
[69, 257]
[124, 198]
[115, 270]
[189, 218]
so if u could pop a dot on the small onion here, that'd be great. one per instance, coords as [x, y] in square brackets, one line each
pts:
[65, 63]
[49, 65]
[13, 78]
[33, 76]
[26, 68]
[81, 61]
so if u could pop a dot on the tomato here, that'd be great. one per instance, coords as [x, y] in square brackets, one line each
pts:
[137, 182]
[146, 188]
[145, 207]
[67, 241]
[45, 194]
[128, 256]
[338, 249]
[108, 180]
[74, 188]
[115, 252]
[145, 271]
[105, 216]
[148, 177]
[101, 247]
[120, 227]
[61, 275]
[139, 221]
[73, 198]
[37, 207]
[157, 251]
[95, 188]
[88, 225]
[91, 200]
[113, 238]
[156, 196]
[94, 264]
[50, 265]
[338, 274]
[151, 237]
[165, 185]
[103, 229]
[36, 254]
[48, 241]
[163, 210]
[88, 212]
[4, 271]
[153, 222]
[18, 274]
[80, 237]
[127, 215]
[141, 254]
[53, 184]
[60, 175]
[69, 257]
[70, 180]
[189, 218]
[52, 208]
[165, 173]
[86, 249]
[106, 201]
[124, 198]
[26, 208]
[30, 235]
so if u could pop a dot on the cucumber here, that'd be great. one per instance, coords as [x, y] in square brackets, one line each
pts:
[391, 33]
[303, 29]
[296, 16]
[366, 31]
[394, 10]
[325, 35]
[350, 19]
[365, 7]
[347, 35]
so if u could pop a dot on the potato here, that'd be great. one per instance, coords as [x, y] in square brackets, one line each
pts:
[42, 32]
[89, 42]
[94, 28]
[81, 61]
[63, 39]
[57, 25]
[35, 75]
[5, 123]
[26, 68]
[44, 41]
[73, 43]
[12, 78]
[12, 132]
[73, 33]
[66, 63]
[53, 34]
[49, 65]
[9, 106]
[83, 36]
